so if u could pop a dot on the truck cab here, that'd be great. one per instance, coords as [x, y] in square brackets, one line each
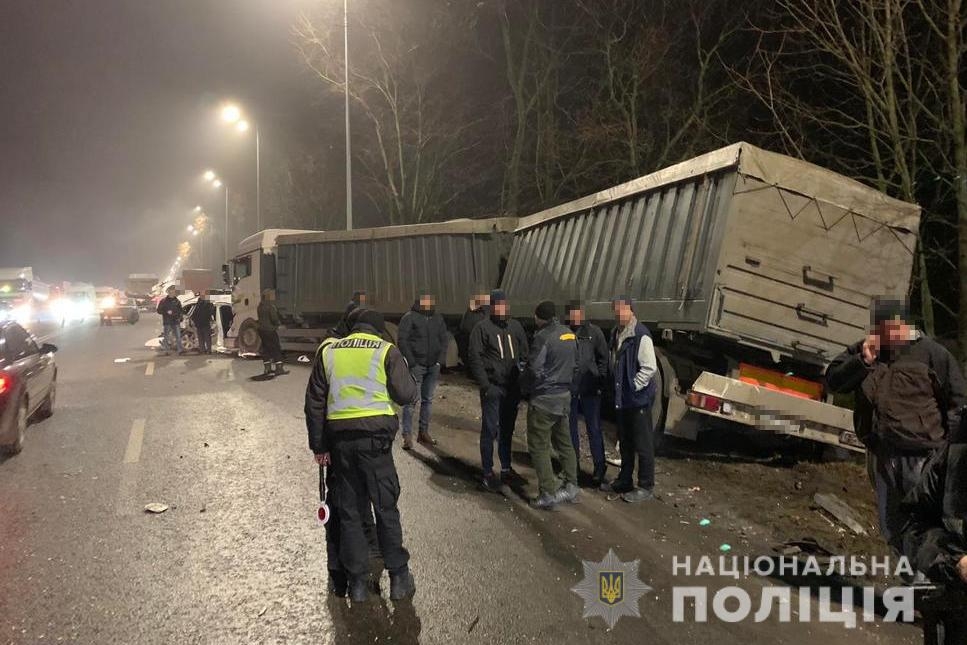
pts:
[249, 273]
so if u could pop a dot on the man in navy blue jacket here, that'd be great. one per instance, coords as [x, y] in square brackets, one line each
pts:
[635, 367]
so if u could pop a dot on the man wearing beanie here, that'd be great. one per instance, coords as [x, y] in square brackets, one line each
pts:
[635, 366]
[546, 383]
[908, 391]
[351, 424]
[497, 350]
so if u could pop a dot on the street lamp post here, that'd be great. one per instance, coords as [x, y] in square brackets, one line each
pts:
[231, 113]
[214, 180]
[349, 164]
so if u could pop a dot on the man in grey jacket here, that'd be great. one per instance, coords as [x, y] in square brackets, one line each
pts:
[546, 382]
[635, 388]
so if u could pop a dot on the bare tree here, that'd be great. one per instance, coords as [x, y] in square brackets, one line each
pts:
[401, 85]
[871, 88]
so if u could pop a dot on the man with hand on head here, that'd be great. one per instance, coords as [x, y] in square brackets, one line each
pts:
[909, 391]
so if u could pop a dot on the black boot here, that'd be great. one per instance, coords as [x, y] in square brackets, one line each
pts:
[280, 368]
[338, 583]
[401, 584]
[600, 471]
[359, 589]
[267, 368]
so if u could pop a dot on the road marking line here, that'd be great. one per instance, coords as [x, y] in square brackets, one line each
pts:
[149, 369]
[133, 454]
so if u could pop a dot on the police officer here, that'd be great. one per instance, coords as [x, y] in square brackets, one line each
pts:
[351, 424]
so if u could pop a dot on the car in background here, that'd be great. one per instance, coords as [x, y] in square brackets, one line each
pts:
[28, 384]
[114, 305]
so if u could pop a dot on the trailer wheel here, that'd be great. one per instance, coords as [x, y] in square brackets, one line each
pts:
[249, 341]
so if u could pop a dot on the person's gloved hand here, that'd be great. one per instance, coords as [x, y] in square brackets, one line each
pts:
[492, 391]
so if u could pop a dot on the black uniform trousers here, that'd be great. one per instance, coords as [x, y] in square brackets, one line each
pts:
[364, 473]
[332, 526]
[271, 346]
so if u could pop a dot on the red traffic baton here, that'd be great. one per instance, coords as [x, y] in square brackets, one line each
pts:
[322, 514]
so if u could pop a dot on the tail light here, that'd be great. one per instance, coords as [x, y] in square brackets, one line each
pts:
[704, 401]
[6, 382]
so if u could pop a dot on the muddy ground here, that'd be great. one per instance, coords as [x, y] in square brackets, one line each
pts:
[756, 489]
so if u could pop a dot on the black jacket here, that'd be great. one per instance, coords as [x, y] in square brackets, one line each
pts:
[848, 371]
[498, 349]
[591, 372]
[935, 534]
[268, 316]
[399, 384]
[469, 320]
[550, 366]
[422, 337]
[170, 309]
[203, 315]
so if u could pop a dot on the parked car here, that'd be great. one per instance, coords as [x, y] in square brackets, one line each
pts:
[28, 383]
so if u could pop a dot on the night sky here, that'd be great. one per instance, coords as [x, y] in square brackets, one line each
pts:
[108, 115]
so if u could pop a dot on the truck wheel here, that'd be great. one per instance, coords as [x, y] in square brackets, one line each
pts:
[249, 341]
[189, 340]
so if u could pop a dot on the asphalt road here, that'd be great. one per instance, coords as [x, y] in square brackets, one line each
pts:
[238, 556]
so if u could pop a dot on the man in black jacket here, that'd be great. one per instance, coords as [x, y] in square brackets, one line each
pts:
[478, 310]
[909, 391]
[934, 535]
[171, 314]
[351, 423]
[423, 340]
[498, 349]
[547, 382]
[203, 315]
[590, 376]
[269, 323]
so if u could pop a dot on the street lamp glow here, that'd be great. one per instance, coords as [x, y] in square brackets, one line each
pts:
[231, 113]
[190, 228]
[242, 126]
[197, 209]
[217, 183]
[195, 232]
[209, 175]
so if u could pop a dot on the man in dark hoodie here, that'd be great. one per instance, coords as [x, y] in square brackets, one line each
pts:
[909, 391]
[423, 340]
[590, 377]
[478, 309]
[934, 533]
[343, 328]
[546, 382]
[351, 424]
[497, 350]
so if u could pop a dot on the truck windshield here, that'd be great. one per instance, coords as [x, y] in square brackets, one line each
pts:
[243, 267]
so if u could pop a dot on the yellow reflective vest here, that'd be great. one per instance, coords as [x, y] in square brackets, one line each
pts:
[356, 371]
